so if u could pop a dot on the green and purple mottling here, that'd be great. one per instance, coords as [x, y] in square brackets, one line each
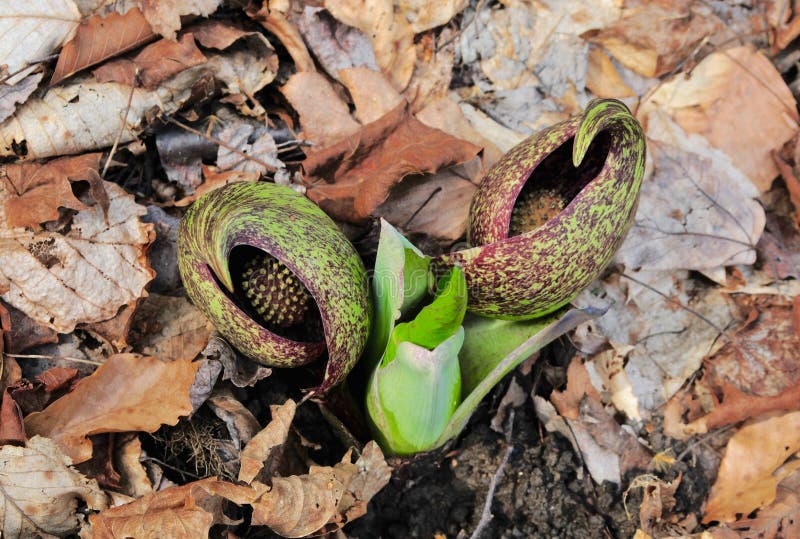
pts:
[537, 272]
[294, 230]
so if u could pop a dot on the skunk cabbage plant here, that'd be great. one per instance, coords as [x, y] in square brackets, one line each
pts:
[276, 276]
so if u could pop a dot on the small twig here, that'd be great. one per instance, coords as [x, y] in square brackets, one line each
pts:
[7, 76]
[54, 358]
[122, 126]
[486, 515]
[173, 468]
[223, 144]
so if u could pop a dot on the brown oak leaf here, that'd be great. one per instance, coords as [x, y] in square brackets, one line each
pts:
[351, 178]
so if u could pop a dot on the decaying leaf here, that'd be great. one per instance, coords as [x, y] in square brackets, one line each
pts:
[391, 35]
[39, 491]
[603, 79]
[260, 447]
[353, 177]
[171, 328]
[127, 393]
[326, 498]
[779, 519]
[652, 39]
[154, 64]
[100, 38]
[756, 459]
[240, 371]
[32, 31]
[739, 102]
[273, 15]
[84, 276]
[425, 15]
[11, 96]
[372, 93]
[184, 512]
[698, 210]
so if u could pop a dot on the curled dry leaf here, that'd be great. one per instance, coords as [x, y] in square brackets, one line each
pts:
[391, 35]
[259, 449]
[39, 491]
[84, 276]
[424, 15]
[165, 17]
[154, 64]
[353, 177]
[100, 38]
[739, 102]
[184, 512]
[127, 393]
[757, 459]
[273, 15]
[171, 328]
[32, 31]
[326, 498]
[86, 115]
[654, 38]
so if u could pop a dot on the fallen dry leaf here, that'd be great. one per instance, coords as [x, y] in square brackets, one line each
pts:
[11, 96]
[258, 450]
[85, 115]
[241, 423]
[165, 17]
[433, 73]
[12, 428]
[25, 332]
[214, 178]
[351, 178]
[326, 498]
[100, 38]
[273, 16]
[372, 93]
[696, 212]
[336, 46]
[171, 328]
[779, 519]
[324, 117]
[654, 38]
[39, 491]
[154, 64]
[739, 102]
[603, 79]
[127, 393]
[32, 31]
[133, 476]
[36, 191]
[424, 15]
[241, 371]
[181, 512]
[84, 276]
[756, 459]
[391, 35]
[607, 370]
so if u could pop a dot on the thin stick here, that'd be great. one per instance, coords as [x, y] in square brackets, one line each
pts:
[225, 145]
[54, 358]
[122, 127]
[486, 515]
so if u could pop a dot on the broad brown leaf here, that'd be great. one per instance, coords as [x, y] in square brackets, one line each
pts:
[36, 191]
[184, 512]
[127, 393]
[351, 178]
[165, 17]
[100, 38]
[154, 64]
[170, 328]
[259, 448]
[39, 491]
[756, 459]
[325, 498]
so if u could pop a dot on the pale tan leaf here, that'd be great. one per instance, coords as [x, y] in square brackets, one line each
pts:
[373, 95]
[31, 31]
[324, 117]
[326, 497]
[424, 15]
[739, 102]
[603, 79]
[756, 459]
[84, 276]
[184, 512]
[259, 448]
[100, 38]
[87, 115]
[391, 35]
[165, 17]
[274, 17]
[127, 393]
[128, 462]
[171, 328]
[39, 491]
